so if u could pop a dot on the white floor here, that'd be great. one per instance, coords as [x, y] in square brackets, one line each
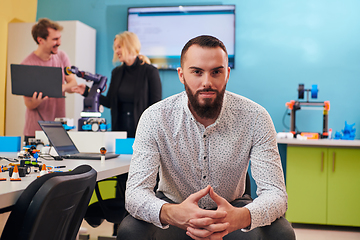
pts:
[105, 229]
[303, 232]
[314, 232]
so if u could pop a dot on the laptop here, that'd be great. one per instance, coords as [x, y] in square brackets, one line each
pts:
[26, 79]
[64, 146]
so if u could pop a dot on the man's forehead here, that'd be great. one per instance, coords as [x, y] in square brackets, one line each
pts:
[196, 54]
[205, 48]
[54, 32]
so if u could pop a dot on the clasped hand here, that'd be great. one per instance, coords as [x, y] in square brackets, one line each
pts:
[205, 224]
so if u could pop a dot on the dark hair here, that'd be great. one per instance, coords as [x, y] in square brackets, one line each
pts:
[41, 28]
[205, 41]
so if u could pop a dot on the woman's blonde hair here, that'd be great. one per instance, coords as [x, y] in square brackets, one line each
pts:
[130, 44]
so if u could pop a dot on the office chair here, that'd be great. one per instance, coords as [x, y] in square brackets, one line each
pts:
[52, 207]
[248, 184]
[111, 209]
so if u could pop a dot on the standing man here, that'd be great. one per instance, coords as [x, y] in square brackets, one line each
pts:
[201, 143]
[47, 34]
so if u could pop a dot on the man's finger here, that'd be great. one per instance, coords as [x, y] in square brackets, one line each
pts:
[195, 197]
[214, 196]
[193, 236]
[218, 227]
[206, 234]
[209, 216]
[213, 227]
[206, 221]
[198, 232]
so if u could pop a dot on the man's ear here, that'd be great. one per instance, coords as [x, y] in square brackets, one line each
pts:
[180, 74]
[228, 75]
[39, 40]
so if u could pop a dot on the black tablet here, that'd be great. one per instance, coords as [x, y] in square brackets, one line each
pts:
[27, 79]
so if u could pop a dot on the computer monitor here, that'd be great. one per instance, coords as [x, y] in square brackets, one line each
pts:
[163, 31]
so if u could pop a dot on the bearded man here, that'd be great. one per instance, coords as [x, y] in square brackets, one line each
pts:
[200, 143]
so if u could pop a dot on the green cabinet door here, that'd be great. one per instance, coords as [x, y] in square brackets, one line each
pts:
[343, 186]
[306, 184]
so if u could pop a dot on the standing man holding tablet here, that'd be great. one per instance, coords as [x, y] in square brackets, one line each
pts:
[47, 34]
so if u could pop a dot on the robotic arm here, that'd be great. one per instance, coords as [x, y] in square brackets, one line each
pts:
[92, 101]
[90, 116]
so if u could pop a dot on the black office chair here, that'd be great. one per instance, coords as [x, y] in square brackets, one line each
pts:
[111, 209]
[52, 207]
[248, 185]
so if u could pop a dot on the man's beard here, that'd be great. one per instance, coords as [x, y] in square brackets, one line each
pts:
[209, 109]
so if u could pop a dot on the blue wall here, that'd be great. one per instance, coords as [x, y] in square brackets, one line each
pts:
[279, 44]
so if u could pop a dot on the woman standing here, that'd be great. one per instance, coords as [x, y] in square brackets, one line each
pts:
[134, 86]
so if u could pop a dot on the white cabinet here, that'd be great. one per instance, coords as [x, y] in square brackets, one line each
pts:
[78, 41]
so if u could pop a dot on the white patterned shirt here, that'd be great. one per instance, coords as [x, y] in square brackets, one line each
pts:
[190, 157]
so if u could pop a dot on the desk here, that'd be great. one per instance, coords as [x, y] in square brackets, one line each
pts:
[10, 191]
[320, 142]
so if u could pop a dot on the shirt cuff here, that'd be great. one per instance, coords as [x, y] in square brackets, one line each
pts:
[157, 221]
[253, 223]
[247, 229]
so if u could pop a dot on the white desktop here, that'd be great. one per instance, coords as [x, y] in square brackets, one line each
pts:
[89, 141]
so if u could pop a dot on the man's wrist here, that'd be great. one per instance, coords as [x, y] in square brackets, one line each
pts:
[164, 217]
[246, 218]
[243, 218]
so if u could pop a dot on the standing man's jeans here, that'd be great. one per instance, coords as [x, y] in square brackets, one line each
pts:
[131, 228]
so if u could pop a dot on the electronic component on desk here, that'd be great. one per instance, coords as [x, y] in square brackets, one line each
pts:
[310, 135]
[294, 106]
[287, 135]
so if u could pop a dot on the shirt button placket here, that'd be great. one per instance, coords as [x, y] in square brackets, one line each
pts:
[205, 170]
[204, 176]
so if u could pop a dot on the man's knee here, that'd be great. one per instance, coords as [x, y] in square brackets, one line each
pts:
[131, 228]
[286, 229]
[280, 229]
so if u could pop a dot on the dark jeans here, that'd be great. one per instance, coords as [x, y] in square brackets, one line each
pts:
[120, 194]
[131, 228]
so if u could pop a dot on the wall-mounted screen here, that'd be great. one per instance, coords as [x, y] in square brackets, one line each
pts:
[163, 31]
